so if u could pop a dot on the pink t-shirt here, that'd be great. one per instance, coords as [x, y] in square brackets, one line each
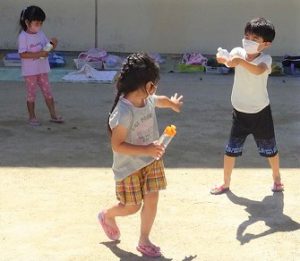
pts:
[33, 43]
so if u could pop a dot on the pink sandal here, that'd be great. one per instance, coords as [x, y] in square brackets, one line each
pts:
[278, 187]
[34, 122]
[218, 190]
[58, 119]
[115, 236]
[149, 250]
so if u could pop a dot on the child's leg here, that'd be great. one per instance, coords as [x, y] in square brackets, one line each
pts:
[119, 210]
[264, 136]
[229, 162]
[274, 163]
[148, 214]
[129, 194]
[228, 167]
[51, 107]
[234, 148]
[31, 110]
[47, 93]
[31, 83]
[155, 181]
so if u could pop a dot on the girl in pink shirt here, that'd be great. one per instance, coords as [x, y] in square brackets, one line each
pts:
[35, 64]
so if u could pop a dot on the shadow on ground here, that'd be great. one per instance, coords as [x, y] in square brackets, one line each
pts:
[128, 256]
[203, 125]
[269, 210]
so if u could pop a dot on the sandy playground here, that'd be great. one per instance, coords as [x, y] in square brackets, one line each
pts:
[54, 179]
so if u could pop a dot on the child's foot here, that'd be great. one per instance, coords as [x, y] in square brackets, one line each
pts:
[278, 187]
[34, 122]
[57, 119]
[147, 248]
[218, 190]
[109, 226]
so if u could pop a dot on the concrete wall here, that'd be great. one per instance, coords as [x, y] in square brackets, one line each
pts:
[168, 26]
[71, 21]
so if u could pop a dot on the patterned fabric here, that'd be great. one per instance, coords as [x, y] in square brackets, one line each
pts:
[266, 147]
[131, 190]
[33, 81]
[260, 125]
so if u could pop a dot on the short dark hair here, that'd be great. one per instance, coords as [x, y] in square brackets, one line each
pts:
[262, 28]
[31, 13]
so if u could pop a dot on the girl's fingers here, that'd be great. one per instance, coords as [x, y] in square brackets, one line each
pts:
[176, 98]
[159, 155]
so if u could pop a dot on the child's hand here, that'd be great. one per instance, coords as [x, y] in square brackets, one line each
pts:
[221, 60]
[236, 60]
[155, 150]
[54, 41]
[177, 103]
[233, 62]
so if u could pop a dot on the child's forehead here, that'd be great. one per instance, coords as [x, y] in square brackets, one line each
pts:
[253, 35]
[36, 22]
[250, 35]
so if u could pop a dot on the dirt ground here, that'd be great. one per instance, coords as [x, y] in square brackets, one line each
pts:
[54, 179]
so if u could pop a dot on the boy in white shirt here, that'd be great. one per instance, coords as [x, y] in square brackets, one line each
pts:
[250, 101]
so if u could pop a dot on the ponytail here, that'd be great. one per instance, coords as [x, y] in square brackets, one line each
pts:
[117, 98]
[22, 20]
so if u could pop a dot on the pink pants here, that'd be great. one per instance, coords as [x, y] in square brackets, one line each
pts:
[40, 80]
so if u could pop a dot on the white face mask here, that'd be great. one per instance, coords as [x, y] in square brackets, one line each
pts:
[250, 47]
[35, 29]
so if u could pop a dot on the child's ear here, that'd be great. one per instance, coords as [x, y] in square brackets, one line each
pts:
[149, 86]
[267, 44]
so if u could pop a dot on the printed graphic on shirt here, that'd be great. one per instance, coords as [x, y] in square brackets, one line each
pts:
[35, 47]
[144, 129]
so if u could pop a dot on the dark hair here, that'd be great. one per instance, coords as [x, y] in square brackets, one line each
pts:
[137, 70]
[262, 28]
[31, 13]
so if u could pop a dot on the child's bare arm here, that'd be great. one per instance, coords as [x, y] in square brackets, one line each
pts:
[255, 69]
[173, 103]
[30, 55]
[119, 145]
[229, 63]
[235, 61]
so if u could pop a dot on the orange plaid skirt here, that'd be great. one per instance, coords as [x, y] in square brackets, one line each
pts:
[131, 190]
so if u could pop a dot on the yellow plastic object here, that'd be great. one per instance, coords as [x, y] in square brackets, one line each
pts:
[170, 130]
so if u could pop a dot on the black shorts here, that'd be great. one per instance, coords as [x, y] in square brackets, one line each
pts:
[260, 125]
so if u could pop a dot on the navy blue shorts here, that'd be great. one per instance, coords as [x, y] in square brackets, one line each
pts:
[260, 125]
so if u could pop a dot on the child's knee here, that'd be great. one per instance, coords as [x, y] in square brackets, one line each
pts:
[152, 196]
[47, 94]
[151, 199]
[132, 209]
[30, 97]
[46, 90]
